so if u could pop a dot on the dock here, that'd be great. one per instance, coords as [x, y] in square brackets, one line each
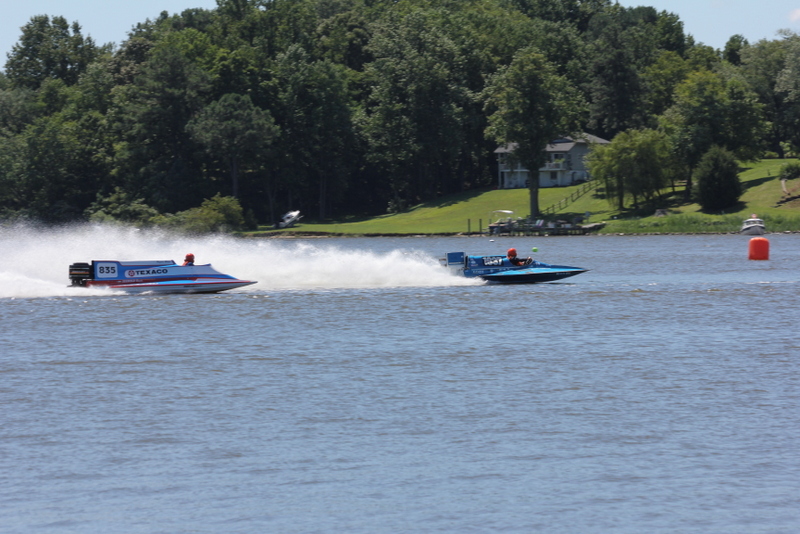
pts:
[527, 229]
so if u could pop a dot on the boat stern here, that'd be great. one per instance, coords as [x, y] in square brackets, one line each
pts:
[455, 262]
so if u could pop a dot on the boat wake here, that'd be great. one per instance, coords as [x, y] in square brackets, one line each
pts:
[36, 260]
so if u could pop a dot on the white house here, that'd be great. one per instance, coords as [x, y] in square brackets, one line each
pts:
[564, 164]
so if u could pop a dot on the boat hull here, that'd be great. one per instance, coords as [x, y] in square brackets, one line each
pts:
[533, 276]
[177, 286]
[753, 230]
[753, 226]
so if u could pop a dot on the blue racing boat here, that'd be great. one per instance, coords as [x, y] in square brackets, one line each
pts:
[501, 269]
[159, 276]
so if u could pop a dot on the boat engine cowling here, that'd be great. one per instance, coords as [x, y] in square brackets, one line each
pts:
[79, 273]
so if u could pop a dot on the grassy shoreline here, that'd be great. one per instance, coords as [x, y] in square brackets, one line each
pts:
[324, 235]
[461, 214]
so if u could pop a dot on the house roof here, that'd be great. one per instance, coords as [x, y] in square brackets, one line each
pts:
[563, 144]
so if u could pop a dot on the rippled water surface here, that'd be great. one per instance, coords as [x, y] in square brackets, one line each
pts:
[359, 387]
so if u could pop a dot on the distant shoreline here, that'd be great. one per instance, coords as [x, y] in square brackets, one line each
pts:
[322, 235]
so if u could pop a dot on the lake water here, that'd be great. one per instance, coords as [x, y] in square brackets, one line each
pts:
[360, 388]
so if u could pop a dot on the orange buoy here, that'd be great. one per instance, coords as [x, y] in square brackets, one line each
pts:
[759, 248]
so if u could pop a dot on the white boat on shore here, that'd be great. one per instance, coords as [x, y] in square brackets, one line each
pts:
[753, 226]
[289, 219]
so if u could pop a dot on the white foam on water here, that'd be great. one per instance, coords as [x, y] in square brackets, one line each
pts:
[35, 261]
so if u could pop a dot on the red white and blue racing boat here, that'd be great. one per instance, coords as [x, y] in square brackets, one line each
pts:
[162, 276]
[500, 269]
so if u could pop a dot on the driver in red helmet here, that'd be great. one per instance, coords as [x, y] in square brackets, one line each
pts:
[516, 260]
[189, 259]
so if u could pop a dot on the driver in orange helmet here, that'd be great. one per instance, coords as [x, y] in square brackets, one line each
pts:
[189, 259]
[515, 260]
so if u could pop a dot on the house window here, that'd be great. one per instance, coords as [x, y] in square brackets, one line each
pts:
[553, 176]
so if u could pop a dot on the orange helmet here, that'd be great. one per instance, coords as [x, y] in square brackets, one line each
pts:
[189, 257]
[512, 252]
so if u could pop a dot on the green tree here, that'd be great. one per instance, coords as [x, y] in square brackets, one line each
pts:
[217, 214]
[312, 108]
[127, 62]
[413, 116]
[156, 159]
[119, 206]
[789, 76]
[530, 105]
[276, 25]
[576, 12]
[605, 167]
[717, 177]
[49, 49]
[238, 71]
[17, 110]
[660, 80]
[761, 65]
[235, 9]
[790, 171]
[12, 190]
[709, 111]
[649, 164]
[53, 184]
[343, 40]
[195, 46]
[623, 43]
[62, 158]
[637, 164]
[670, 34]
[487, 35]
[93, 92]
[745, 121]
[702, 57]
[235, 130]
[732, 53]
[787, 88]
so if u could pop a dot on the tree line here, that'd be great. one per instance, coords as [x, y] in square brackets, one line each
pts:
[342, 107]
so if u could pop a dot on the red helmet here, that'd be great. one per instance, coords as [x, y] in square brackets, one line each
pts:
[189, 257]
[512, 252]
